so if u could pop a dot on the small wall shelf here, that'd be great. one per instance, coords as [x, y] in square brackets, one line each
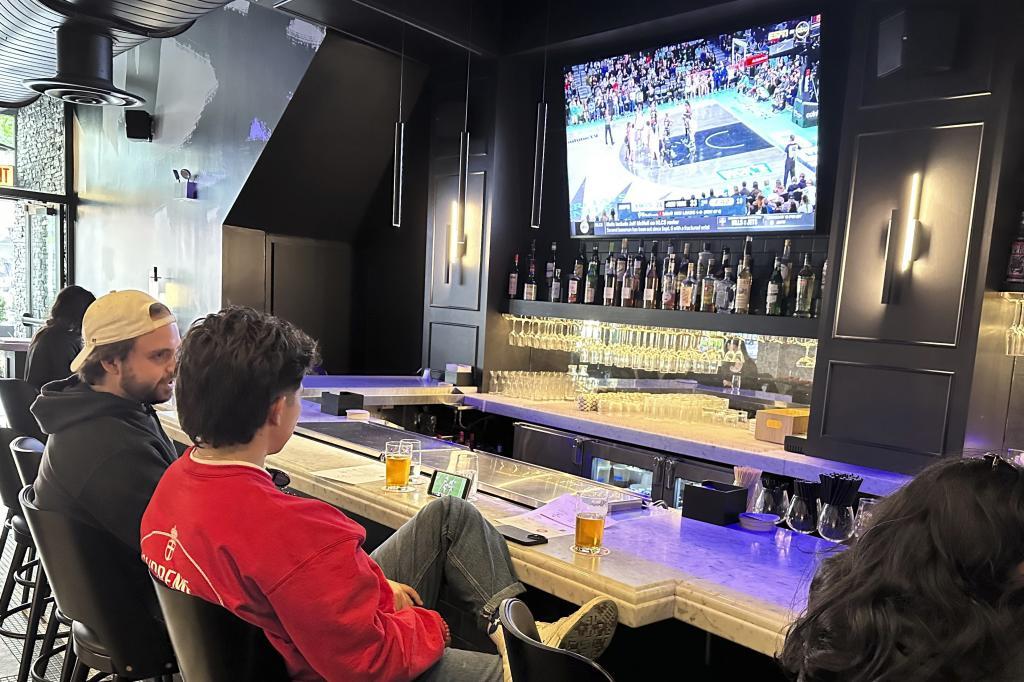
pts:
[674, 319]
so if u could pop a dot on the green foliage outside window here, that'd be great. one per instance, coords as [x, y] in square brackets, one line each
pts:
[7, 130]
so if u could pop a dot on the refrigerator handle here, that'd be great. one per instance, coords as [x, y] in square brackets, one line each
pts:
[660, 472]
[577, 451]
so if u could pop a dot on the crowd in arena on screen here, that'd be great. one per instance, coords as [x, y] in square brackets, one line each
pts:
[622, 86]
[761, 197]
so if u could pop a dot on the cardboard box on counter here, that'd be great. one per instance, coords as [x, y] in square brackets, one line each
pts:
[773, 425]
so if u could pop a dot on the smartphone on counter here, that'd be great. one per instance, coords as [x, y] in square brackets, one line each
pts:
[446, 484]
[520, 536]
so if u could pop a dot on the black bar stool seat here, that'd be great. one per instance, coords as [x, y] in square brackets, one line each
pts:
[531, 661]
[212, 643]
[103, 586]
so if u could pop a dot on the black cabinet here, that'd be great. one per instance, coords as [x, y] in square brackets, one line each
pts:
[654, 475]
[918, 183]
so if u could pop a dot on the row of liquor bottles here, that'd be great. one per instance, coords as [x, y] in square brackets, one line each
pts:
[676, 282]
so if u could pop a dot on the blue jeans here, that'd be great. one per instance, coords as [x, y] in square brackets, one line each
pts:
[449, 543]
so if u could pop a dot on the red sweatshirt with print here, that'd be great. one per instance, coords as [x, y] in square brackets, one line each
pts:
[293, 566]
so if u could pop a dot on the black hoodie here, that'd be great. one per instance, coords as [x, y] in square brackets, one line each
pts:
[103, 459]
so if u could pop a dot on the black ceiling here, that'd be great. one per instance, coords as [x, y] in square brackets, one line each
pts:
[27, 32]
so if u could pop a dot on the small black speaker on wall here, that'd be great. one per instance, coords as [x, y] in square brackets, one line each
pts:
[918, 40]
[138, 125]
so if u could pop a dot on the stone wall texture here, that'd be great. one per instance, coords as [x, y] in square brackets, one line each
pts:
[39, 140]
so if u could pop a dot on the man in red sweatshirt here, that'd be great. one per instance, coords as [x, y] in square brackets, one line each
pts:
[219, 529]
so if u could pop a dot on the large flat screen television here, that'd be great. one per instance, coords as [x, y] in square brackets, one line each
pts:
[716, 135]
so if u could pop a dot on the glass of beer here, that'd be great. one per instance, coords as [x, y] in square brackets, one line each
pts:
[591, 512]
[417, 459]
[397, 461]
[468, 464]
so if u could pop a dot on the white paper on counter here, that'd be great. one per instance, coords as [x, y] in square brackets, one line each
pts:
[556, 518]
[364, 473]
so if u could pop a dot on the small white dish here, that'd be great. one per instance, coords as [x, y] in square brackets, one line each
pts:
[759, 523]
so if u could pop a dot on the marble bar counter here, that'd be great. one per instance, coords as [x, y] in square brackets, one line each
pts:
[386, 391]
[714, 443]
[743, 586]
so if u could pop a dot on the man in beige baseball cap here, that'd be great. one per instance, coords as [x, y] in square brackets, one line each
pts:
[106, 449]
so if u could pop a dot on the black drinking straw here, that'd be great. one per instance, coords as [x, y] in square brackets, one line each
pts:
[840, 489]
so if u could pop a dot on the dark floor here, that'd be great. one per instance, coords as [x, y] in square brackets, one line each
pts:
[10, 652]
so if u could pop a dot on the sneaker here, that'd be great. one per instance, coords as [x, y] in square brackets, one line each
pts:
[587, 632]
[497, 635]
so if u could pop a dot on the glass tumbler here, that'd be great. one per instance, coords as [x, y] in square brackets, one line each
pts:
[804, 507]
[836, 523]
[468, 464]
[416, 447]
[591, 513]
[865, 510]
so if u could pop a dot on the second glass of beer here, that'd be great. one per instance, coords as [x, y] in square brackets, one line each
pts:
[397, 459]
[591, 512]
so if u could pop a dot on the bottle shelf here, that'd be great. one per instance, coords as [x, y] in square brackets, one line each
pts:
[797, 327]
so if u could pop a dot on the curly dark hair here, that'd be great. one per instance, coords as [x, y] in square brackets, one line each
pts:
[232, 366]
[933, 590]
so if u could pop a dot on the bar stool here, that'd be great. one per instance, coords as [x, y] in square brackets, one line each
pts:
[22, 562]
[17, 397]
[531, 661]
[27, 454]
[103, 587]
[212, 643]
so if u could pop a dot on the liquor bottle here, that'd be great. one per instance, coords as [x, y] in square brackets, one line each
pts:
[513, 278]
[686, 256]
[1015, 268]
[611, 288]
[744, 283]
[651, 280]
[703, 258]
[555, 288]
[725, 291]
[668, 282]
[707, 289]
[748, 251]
[821, 288]
[787, 268]
[724, 263]
[593, 278]
[687, 296]
[773, 301]
[627, 295]
[530, 286]
[575, 288]
[551, 266]
[622, 262]
[639, 270]
[805, 289]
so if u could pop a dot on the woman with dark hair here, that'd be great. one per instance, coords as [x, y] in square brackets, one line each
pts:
[933, 590]
[60, 339]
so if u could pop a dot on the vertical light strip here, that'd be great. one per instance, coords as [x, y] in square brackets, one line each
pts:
[399, 162]
[910, 234]
[453, 234]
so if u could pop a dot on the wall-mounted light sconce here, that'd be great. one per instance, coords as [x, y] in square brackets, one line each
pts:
[901, 242]
[910, 231]
[1015, 332]
[456, 244]
[189, 189]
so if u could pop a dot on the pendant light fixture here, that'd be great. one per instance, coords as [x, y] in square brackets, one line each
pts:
[540, 134]
[457, 229]
[399, 165]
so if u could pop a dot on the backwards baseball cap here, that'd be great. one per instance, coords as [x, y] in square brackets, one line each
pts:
[120, 316]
